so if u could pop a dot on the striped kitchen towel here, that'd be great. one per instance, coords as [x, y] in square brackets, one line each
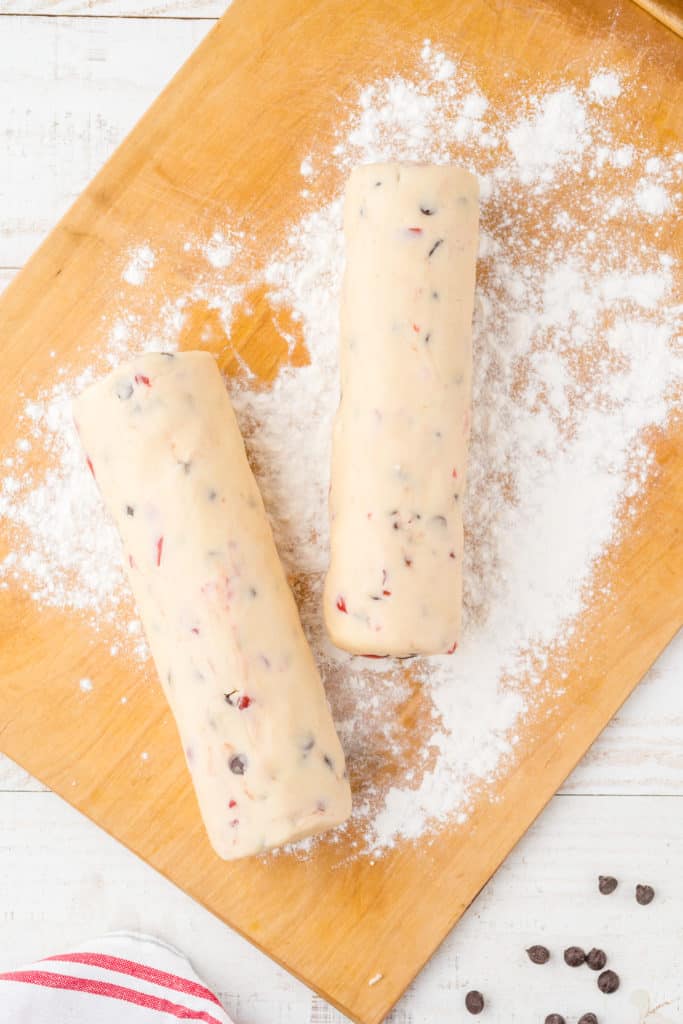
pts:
[119, 979]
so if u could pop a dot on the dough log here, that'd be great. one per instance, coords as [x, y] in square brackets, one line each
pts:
[164, 446]
[394, 585]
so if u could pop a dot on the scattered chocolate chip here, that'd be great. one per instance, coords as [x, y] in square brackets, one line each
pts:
[474, 1001]
[607, 884]
[427, 210]
[555, 1018]
[328, 761]
[307, 744]
[213, 495]
[644, 894]
[608, 982]
[436, 245]
[588, 1018]
[238, 764]
[574, 956]
[253, 592]
[229, 696]
[538, 954]
[130, 511]
[596, 959]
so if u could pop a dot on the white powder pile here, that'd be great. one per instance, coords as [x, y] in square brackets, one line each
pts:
[603, 86]
[220, 249]
[140, 262]
[574, 358]
[651, 198]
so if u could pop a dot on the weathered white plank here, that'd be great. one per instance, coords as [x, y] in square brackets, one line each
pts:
[61, 881]
[13, 778]
[6, 275]
[70, 89]
[641, 751]
[119, 8]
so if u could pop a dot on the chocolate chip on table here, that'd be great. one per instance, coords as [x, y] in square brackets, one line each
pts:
[574, 956]
[607, 884]
[588, 1018]
[555, 1018]
[474, 1001]
[538, 954]
[608, 982]
[596, 959]
[644, 894]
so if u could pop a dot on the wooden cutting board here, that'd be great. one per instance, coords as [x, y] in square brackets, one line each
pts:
[228, 133]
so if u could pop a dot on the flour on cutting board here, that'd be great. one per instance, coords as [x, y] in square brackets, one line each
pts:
[574, 358]
[141, 259]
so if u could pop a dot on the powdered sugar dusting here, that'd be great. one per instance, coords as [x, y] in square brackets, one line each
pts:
[140, 262]
[651, 198]
[554, 132]
[603, 86]
[574, 359]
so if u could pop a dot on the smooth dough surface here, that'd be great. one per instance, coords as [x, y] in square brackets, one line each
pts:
[164, 446]
[394, 585]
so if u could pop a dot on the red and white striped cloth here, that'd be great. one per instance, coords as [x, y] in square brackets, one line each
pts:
[119, 979]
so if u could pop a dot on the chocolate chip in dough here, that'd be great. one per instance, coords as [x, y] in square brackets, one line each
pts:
[608, 982]
[574, 956]
[538, 954]
[596, 959]
[644, 894]
[238, 764]
[607, 884]
[474, 1001]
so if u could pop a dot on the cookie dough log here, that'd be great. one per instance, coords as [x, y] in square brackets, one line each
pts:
[163, 444]
[399, 451]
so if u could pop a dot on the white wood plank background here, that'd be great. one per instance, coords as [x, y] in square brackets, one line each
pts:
[72, 82]
[119, 8]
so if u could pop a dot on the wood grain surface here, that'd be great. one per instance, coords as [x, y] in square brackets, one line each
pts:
[668, 12]
[334, 928]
